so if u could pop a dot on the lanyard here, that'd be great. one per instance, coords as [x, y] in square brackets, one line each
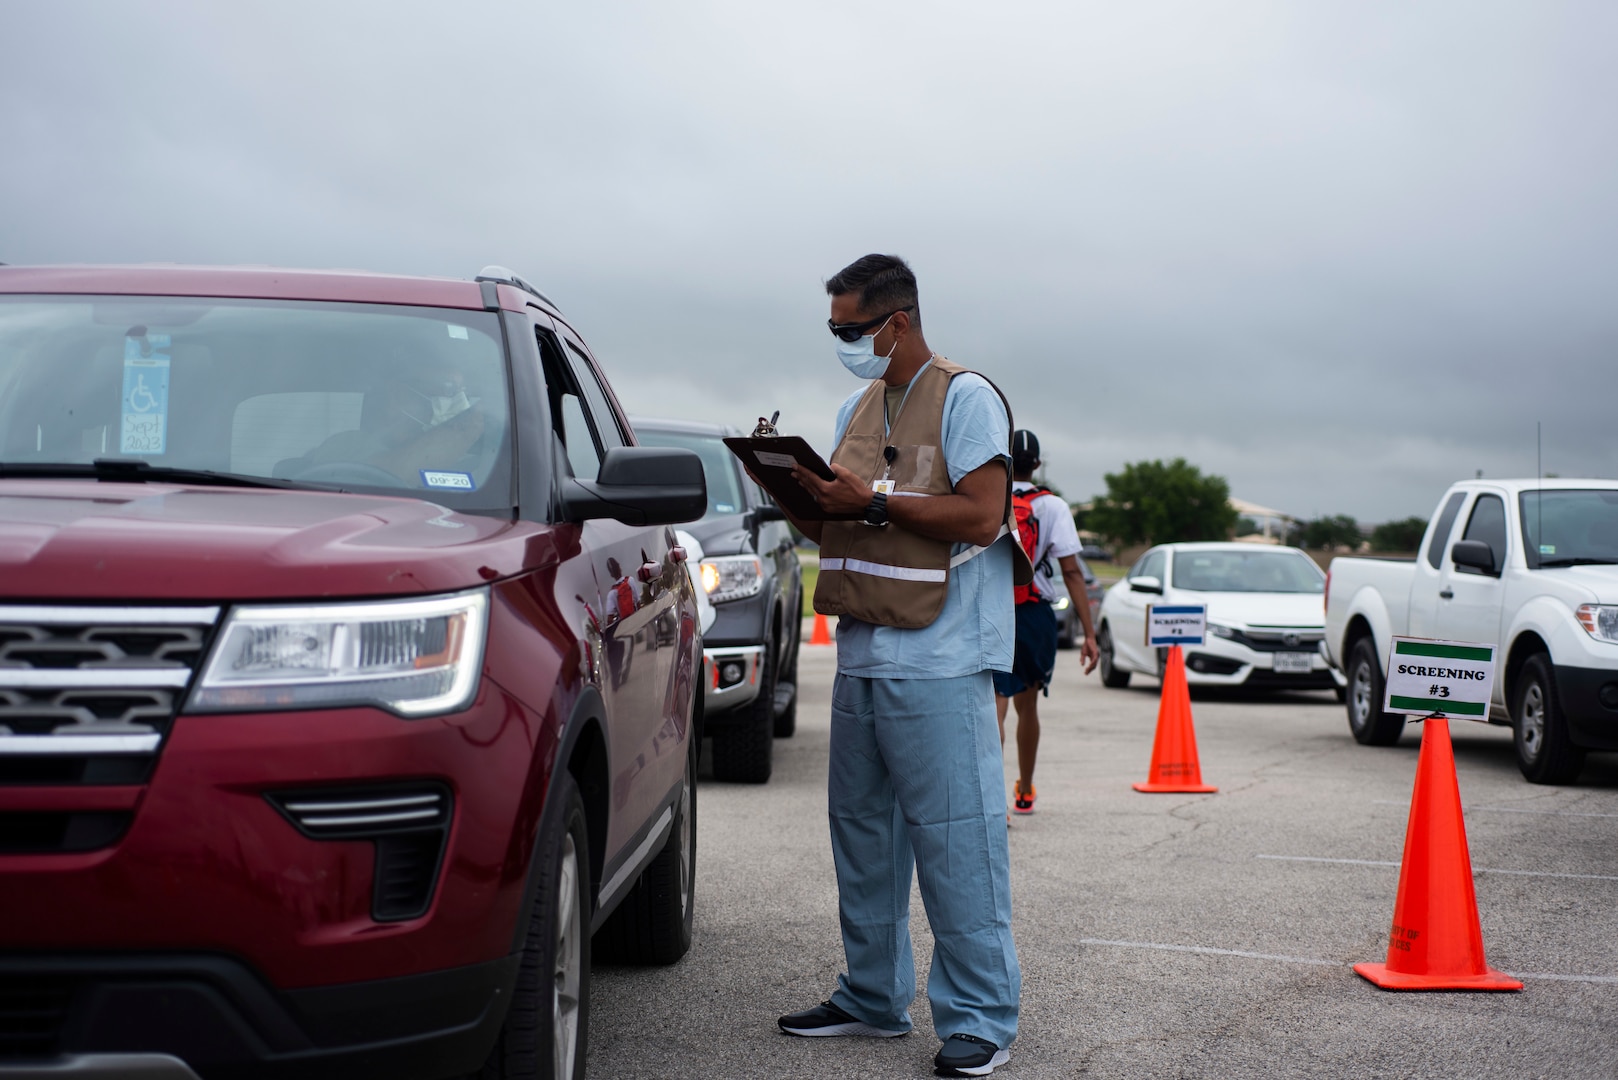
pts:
[887, 425]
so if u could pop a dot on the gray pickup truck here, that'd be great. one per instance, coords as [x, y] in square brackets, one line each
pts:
[750, 573]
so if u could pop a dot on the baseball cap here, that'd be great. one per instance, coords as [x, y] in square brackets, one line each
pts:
[1024, 447]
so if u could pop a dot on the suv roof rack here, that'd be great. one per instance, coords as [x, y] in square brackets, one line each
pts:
[501, 275]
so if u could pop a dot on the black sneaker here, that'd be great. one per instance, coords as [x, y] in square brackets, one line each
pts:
[968, 1055]
[828, 1019]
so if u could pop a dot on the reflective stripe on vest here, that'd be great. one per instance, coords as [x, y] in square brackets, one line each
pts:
[883, 570]
[907, 573]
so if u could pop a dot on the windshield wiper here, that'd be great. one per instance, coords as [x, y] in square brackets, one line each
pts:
[136, 471]
[1579, 561]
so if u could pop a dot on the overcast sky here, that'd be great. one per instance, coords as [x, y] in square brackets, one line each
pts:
[1340, 253]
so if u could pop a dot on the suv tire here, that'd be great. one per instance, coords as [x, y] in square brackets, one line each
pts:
[1545, 752]
[653, 923]
[547, 1025]
[1111, 674]
[742, 750]
[1369, 725]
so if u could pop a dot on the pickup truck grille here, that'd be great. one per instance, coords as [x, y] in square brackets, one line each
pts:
[88, 694]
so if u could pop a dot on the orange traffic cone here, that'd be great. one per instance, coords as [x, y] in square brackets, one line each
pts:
[1174, 752]
[822, 633]
[1436, 942]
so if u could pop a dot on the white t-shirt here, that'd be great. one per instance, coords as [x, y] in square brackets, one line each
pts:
[1058, 538]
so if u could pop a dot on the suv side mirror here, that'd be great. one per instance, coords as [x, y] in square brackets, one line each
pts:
[640, 485]
[1146, 585]
[1473, 553]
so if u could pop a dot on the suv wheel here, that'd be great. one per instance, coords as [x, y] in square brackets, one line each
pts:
[742, 750]
[1545, 753]
[1367, 722]
[1111, 674]
[653, 923]
[786, 717]
[546, 1026]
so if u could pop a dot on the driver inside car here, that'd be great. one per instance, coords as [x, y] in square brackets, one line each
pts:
[416, 418]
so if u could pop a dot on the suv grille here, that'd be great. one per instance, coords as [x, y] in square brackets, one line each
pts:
[32, 1012]
[87, 694]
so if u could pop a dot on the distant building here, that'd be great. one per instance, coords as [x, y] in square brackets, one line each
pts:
[1273, 525]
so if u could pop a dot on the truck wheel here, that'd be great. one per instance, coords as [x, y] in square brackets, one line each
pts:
[1366, 720]
[653, 923]
[546, 1026]
[786, 720]
[742, 751]
[1111, 675]
[1545, 753]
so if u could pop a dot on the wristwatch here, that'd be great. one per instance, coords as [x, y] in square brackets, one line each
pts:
[877, 512]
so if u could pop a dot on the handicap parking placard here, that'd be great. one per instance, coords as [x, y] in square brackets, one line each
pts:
[1429, 677]
[1176, 624]
[145, 407]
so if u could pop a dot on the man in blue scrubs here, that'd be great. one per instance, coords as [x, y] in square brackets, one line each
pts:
[916, 778]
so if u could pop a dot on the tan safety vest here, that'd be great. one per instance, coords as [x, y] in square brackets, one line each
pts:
[886, 575]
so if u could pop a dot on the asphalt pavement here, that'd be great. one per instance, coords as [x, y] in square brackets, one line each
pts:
[1163, 935]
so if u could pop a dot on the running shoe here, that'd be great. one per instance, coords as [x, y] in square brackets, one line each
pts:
[1023, 801]
[827, 1019]
[968, 1055]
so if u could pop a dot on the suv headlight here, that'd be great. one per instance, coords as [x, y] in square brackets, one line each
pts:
[1600, 621]
[731, 577]
[411, 657]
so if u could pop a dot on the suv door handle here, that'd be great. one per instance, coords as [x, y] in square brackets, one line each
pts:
[1447, 593]
[649, 572]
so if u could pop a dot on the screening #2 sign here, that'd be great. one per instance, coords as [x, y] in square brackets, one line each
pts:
[1427, 677]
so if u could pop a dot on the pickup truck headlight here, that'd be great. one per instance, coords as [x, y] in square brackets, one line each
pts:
[731, 577]
[411, 657]
[1600, 621]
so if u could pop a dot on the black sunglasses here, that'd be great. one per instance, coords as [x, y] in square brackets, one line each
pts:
[853, 331]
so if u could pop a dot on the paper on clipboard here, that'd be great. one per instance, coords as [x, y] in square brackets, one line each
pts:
[770, 459]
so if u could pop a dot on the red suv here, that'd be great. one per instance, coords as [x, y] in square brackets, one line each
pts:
[347, 677]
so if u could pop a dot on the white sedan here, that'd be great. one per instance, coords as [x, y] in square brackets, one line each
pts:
[1266, 617]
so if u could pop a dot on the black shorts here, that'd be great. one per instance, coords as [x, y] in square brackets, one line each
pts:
[1034, 661]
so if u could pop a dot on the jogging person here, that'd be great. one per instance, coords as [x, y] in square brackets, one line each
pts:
[1045, 527]
[922, 583]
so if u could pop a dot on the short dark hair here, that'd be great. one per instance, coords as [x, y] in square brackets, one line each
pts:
[885, 283]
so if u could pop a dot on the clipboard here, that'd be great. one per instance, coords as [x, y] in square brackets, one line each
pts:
[770, 458]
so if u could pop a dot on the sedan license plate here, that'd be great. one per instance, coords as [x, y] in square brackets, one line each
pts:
[1293, 663]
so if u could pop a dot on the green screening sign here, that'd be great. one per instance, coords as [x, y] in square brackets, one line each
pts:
[1440, 678]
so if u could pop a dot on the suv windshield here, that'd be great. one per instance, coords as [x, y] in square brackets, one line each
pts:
[718, 466]
[1569, 528]
[357, 396]
[1247, 571]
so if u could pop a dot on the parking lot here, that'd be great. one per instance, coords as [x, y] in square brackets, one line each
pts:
[1164, 935]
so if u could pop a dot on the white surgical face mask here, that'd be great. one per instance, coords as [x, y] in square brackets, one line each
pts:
[860, 356]
[444, 408]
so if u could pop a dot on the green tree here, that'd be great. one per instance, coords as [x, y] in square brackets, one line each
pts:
[1153, 502]
[1339, 530]
[1246, 526]
[1399, 535]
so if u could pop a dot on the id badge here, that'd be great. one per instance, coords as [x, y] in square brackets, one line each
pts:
[882, 487]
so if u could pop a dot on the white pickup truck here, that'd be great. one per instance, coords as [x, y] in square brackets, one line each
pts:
[1529, 566]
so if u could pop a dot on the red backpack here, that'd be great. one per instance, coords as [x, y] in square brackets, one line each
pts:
[1022, 510]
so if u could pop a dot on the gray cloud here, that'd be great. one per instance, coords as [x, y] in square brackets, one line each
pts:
[1341, 253]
